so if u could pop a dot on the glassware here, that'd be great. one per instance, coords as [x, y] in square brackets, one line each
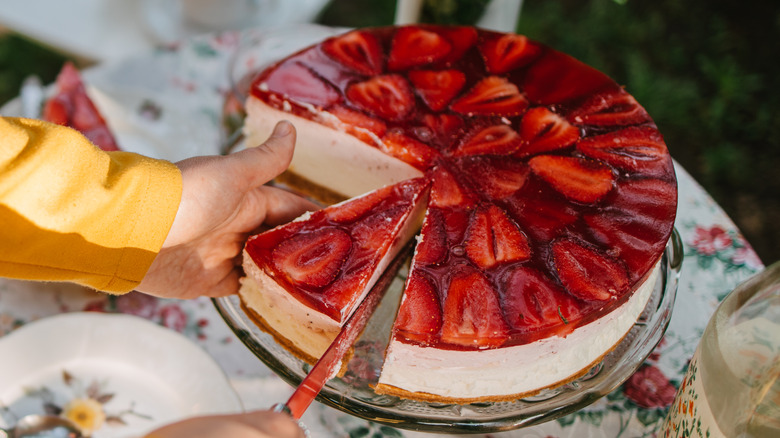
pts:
[731, 388]
[353, 393]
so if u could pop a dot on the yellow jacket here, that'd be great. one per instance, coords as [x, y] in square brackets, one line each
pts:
[71, 212]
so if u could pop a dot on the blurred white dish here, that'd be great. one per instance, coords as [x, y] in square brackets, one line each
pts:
[143, 375]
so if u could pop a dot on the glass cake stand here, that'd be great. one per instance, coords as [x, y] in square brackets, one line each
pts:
[353, 392]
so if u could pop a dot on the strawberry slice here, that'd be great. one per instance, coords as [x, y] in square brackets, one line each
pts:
[357, 50]
[461, 38]
[638, 226]
[388, 97]
[543, 130]
[472, 313]
[446, 191]
[587, 273]
[639, 149]
[432, 247]
[493, 238]
[411, 151]
[492, 96]
[312, 258]
[71, 106]
[358, 207]
[360, 125]
[612, 108]
[540, 215]
[576, 178]
[339, 298]
[419, 316]
[437, 87]
[557, 78]
[439, 129]
[503, 53]
[494, 140]
[296, 82]
[533, 302]
[414, 46]
[495, 177]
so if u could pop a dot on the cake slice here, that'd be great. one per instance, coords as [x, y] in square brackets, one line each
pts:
[71, 106]
[305, 278]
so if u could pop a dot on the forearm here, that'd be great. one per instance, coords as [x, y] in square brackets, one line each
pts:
[71, 212]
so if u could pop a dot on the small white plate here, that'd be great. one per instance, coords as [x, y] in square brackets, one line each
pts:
[143, 375]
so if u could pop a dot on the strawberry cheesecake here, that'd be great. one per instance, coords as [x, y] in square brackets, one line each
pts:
[541, 194]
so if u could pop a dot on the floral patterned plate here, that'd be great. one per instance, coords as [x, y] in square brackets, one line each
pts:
[113, 375]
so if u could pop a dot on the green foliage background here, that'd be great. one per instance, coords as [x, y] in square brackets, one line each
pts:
[706, 70]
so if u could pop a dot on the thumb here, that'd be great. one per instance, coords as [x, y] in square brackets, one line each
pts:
[258, 165]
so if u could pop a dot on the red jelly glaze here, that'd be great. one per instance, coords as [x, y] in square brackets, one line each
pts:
[369, 222]
[627, 227]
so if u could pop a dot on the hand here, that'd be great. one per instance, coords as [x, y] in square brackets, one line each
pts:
[224, 201]
[258, 424]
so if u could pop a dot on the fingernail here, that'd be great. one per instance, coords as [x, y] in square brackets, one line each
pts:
[282, 129]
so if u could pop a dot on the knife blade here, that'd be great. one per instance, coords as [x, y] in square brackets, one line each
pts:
[330, 362]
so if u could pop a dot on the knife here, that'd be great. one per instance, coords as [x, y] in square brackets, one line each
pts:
[330, 362]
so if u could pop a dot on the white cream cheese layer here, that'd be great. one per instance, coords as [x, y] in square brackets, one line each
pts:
[327, 156]
[522, 369]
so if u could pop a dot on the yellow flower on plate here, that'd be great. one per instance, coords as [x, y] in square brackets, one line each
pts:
[86, 413]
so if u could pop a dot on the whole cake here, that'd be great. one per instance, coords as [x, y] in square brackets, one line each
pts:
[548, 197]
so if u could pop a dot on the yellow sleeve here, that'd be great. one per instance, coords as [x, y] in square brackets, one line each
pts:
[71, 212]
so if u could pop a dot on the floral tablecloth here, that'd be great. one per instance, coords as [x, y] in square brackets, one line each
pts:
[169, 104]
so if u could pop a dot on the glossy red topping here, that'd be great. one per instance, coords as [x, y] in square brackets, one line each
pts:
[71, 106]
[324, 259]
[552, 191]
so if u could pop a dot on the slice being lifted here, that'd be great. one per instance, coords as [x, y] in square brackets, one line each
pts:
[305, 278]
[552, 199]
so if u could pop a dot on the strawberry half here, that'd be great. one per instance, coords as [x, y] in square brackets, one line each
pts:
[419, 316]
[494, 140]
[586, 273]
[612, 108]
[437, 87]
[639, 149]
[576, 178]
[557, 78]
[388, 97]
[358, 50]
[359, 124]
[312, 258]
[358, 207]
[543, 130]
[432, 247]
[492, 96]
[533, 302]
[639, 225]
[411, 151]
[461, 38]
[296, 82]
[446, 191]
[495, 177]
[493, 238]
[472, 313]
[413, 46]
[439, 129]
[507, 52]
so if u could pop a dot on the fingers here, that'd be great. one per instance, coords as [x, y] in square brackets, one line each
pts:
[274, 423]
[260, 164]
[282, 206]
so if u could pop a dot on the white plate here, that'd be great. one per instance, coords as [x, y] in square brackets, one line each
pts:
[145, 375]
